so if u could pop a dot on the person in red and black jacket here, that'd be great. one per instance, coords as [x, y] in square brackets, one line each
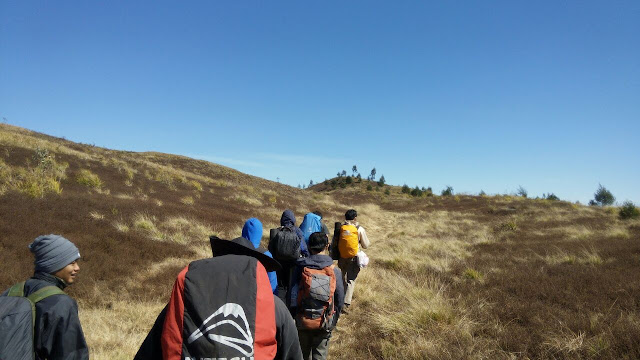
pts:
[223, 307]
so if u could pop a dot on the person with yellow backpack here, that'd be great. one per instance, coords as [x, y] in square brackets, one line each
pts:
[352, 238]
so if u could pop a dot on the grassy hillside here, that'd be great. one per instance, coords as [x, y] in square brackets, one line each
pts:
[451, 277]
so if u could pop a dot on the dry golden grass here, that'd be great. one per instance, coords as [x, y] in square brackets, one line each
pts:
[96, 215]
[584, 256]
[244, 199]
[87, 178]
[116, 331]
[187, 200]
[36, 180]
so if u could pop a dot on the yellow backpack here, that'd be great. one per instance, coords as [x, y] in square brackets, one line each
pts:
[348, 244]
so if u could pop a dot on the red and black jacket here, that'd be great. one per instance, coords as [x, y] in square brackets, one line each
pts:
[222, 307]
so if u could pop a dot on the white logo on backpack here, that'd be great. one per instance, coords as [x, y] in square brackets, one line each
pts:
[240, 344]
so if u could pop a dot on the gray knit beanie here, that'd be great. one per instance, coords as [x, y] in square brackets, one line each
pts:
[52, 253]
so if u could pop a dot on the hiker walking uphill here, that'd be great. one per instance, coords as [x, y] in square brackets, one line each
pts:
[223, 308]
[352, 237]
[286, 244]
[252, 231]
[318, 294]
[312, 222]
[51, 329]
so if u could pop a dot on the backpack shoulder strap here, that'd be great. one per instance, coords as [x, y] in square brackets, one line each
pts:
[44, 293]
[17, 290]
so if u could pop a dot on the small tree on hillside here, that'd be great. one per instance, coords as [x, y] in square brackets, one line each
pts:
[348, 180]
[354, 170]
[629, 211]
[550, 196]
[405, 189]
[448, 191]
[344, 173]
[381, 181]
[359, 177]
[603, 196]
[339, 174]
[372, 176]
[522, 192]
[310, 183]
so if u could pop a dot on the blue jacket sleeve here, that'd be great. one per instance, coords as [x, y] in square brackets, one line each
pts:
[303, 244]
[273, 279]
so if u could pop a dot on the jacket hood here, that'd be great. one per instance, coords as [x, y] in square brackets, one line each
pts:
[288, 219]
[315, 261]
[252, 231]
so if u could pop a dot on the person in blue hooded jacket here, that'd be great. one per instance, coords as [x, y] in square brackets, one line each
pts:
[252, 231]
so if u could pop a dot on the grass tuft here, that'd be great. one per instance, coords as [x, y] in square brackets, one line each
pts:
[89, 179]
[96, 215]
[187, 200]
[472, 274]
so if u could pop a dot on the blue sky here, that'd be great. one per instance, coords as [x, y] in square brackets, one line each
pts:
[479, 95]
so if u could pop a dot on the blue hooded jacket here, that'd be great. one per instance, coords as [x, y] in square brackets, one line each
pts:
[252, 231]
[288, 220]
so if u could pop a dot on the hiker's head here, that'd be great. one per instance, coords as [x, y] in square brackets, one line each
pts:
[252, 231]
[318, 242]
[288, 219]
[56, 255]
[351, 214]
[318, 213]
[68, 273]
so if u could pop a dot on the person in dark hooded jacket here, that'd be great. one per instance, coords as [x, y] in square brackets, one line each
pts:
[57, 330]
[252, 231]
[315, 343]
[288, 221]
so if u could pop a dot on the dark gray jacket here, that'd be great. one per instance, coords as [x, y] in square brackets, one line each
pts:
[57, 334]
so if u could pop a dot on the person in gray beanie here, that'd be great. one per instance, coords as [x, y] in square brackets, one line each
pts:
[57, 330]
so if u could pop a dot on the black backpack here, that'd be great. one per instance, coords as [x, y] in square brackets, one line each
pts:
[333, 248]
[284, 244]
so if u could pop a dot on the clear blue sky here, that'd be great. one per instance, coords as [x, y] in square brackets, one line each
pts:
[479, 95]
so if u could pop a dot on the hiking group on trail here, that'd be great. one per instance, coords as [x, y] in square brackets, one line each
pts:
[245, 302]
